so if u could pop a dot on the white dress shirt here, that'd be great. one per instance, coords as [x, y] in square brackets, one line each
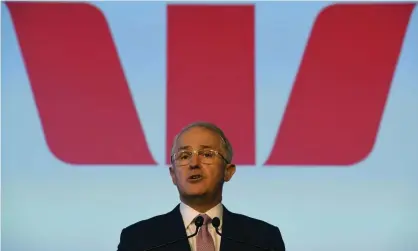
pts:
[189, 214]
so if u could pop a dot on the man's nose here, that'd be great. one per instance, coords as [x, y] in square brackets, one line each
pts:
[194, 161]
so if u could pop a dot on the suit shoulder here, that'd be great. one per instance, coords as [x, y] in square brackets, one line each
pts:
[254, 222]
[148, 223]
[142, 234]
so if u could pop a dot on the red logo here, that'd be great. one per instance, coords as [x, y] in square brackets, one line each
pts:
[332, 116]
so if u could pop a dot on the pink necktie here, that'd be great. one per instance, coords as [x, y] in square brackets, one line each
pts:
[204, 241]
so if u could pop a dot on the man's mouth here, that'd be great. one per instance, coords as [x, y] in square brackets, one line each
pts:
[195, 177]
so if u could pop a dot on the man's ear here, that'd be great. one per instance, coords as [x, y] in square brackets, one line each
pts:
[173, 175]
[229, 172]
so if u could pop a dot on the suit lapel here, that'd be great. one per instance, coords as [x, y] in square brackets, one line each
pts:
[230, 229]
[175, 230]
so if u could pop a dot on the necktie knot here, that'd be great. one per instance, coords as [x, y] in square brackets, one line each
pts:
[206, 219]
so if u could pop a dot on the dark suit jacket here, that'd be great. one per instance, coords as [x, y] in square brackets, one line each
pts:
[169, 227]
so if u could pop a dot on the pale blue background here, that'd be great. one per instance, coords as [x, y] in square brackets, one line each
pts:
[48, 205]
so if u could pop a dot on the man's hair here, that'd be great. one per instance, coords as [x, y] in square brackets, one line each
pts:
[225, 144]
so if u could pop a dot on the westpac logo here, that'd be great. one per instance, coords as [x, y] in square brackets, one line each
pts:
[332, 116]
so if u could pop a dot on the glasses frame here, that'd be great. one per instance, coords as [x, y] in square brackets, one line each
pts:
[217, 153]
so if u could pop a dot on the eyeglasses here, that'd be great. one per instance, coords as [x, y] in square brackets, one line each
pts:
[206, 156]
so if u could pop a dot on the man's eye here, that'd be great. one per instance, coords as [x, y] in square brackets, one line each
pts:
[184, 155]
[208, 154]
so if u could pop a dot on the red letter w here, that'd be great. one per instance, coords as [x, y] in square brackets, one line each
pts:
[332, 118]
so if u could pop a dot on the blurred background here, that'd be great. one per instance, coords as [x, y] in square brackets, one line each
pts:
[319, 99]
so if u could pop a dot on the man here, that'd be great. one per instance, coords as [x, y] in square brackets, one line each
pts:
[200, 164]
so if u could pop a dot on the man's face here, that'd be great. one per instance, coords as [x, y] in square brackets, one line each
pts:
[211, 175]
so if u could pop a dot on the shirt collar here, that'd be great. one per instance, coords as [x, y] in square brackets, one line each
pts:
[189, 214]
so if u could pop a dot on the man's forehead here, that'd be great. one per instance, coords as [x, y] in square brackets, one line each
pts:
[185, 147]
[198, 137]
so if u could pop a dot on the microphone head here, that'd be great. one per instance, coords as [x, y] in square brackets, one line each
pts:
[216, 222]
[198, 221]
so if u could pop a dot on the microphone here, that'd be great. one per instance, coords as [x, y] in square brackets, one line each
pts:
[216, 222]
[198, 223]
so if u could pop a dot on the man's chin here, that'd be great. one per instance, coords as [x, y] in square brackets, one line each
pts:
[194, 194]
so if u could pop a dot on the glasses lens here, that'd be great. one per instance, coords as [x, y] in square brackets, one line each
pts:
[206, 156]
[182, 158]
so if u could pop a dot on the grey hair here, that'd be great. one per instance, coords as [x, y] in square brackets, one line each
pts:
[226, 145]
